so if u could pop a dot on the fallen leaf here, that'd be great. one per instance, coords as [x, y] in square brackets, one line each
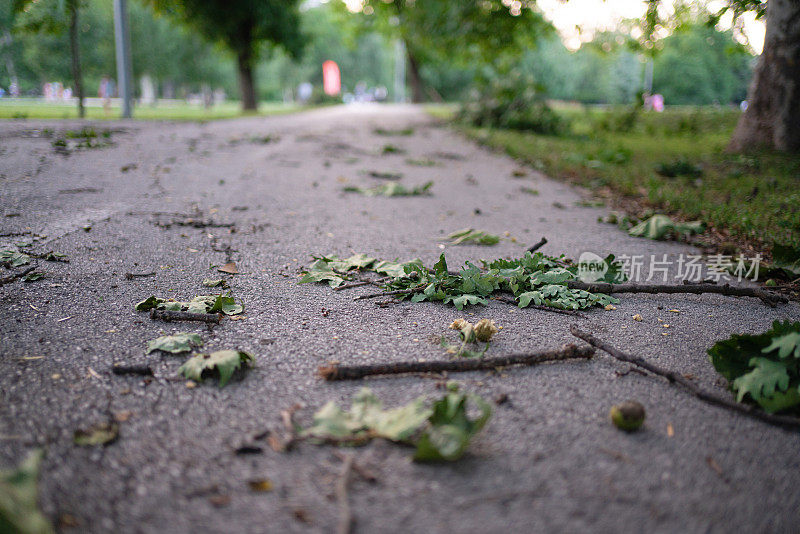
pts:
[670, 430]
[637, 317]
[175, 343]
[225, 362]
[260, 485]
[229, 268]
[19, 493]
[100, 434]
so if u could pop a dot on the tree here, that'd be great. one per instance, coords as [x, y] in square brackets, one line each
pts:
[467, 32]
[241, 26]
[772, 118]
[54, 16]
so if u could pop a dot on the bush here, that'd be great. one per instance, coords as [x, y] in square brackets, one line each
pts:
[513, 102]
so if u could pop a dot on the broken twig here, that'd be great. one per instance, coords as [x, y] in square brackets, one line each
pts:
[345, 515]
[16, 276]
[166, 315]
[537, 246]
[691, 387]
[131, 276]
[767, 297]
[409, 291]
[142, 370]
[543, 308]
[354, 372]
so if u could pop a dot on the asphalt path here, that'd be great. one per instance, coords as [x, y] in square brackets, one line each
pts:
[548, 460]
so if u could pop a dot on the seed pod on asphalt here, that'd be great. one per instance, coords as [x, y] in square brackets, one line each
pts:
[627, 416]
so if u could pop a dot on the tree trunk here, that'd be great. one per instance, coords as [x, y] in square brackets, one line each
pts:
[77, 76]
[246, 82]
[772, 118]
[417, 85]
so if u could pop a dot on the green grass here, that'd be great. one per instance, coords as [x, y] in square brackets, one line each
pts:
[754, 197]
[181, 112]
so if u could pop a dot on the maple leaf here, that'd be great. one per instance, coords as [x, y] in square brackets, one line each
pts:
[225, 362]
[762, 382]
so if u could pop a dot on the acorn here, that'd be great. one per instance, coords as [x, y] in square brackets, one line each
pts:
[627, 416]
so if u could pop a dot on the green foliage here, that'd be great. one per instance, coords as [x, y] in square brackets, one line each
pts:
[224, 362]
[201, 304]
[764, 368]
[333, 270]
[534, 278]
[514, 101]
[441, 432]
[679, 167]
[662, 227]
[99, 434]
[13, 258]
[451, 428]
[175, 343]
[473, 237]
[391, 190]
[19, 510]
[786, 258]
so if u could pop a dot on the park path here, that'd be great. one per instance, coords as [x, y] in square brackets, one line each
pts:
[547, 460]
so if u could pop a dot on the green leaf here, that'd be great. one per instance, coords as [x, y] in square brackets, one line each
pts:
[227, 305]
[393, 189]
[530, 296]
[451, 428]
[440, 267]
[32, 277]
[368, 418]
[660, 226]
[19, 493]
[477, 237]
[466, 300]
[321, 271]
[786, 345]
[208, 282]
[175, 343]
[224, 362]
[100, 434]
[14, 258]
[763, 381]
[357, 261]
[148, 303]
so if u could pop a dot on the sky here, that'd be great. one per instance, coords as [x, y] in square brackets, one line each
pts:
[593, 15]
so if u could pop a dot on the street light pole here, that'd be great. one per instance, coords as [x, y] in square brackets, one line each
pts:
[124, 67]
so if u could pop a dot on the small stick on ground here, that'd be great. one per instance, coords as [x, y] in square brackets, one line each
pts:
[166, 315]
[345, 515]
[542, 308]
[691, 387]
[767, 297]
[409, 291]
[16, 276]
[537, 246]
[142, 370]
[362, 283]
[355, 372]
[131, 276]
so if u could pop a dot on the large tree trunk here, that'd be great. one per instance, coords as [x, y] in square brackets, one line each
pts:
[417, 85]
[246, 82]
[772, 118]
[77, 75]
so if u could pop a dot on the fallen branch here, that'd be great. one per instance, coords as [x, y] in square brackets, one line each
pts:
[131, 276]
[542, 308]
[345, 515]
[767, 297]
[166, 315]
[537, 246]
[354, 372]
[16, 276]
[143, 370]
[409, 291]
[691, 387]
[362, 283]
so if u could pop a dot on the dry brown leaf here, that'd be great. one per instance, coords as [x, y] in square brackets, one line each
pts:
[229, 268]
[260, 484]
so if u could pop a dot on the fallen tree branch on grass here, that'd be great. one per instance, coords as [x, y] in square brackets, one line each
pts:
[691, 387]
[767, 297]
[355, 372]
